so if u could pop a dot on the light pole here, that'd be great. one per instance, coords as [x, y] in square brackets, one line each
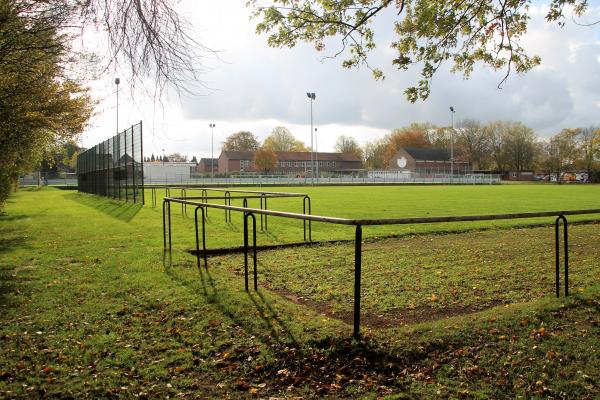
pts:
[117, 81]
[212, 141]
[452, 111]
[312, 97]
[317, 154]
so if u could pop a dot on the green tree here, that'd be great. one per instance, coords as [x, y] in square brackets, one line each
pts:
[177, 157]
[439, 137]
[374, 154]
[41, 109]
[415, 135]
[347, 144]
[589, 144]
[281, 139]
[496, 133]
[241, 141]
[429, 32]
[265, 160]
[561, 152]
[520, 144]
[473, 143]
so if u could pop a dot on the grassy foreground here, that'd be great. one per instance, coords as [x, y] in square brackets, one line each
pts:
[92, 308]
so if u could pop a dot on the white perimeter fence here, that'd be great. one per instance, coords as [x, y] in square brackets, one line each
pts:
[240, 180]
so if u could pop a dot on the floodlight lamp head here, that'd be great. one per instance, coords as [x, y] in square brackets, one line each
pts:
[451, 109]
[117, 81]
[311, 96]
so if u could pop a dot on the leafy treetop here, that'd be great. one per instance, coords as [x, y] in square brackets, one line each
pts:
[241, 141]
[429, 32]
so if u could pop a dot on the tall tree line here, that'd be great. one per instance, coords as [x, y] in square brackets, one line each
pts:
[498, 146]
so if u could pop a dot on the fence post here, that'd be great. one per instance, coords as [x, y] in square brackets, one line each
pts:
[566, 253]
[203, 238]
[357, 278]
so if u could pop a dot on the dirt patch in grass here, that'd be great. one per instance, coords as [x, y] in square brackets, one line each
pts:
[393, 318]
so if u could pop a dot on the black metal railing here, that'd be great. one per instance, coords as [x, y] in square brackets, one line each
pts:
[358, 224]
[248, 194]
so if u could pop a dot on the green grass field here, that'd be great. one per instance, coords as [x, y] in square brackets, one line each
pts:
[389, 202]
[93, 308]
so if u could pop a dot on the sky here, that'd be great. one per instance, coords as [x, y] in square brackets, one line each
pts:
[253, 87]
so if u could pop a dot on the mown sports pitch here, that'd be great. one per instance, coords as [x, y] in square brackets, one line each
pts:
[390, 202]
[93, 308]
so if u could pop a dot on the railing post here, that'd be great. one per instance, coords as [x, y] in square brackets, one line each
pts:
[246, 250]
[203, 237]
[266, 216]
[357, 278]
[254, 251]
[566, 240]
[304, 201]
[169, 212]
[227, 203]
[183, 205]
[261, 207]
[164, 225]
[205, 198]
[566, 253]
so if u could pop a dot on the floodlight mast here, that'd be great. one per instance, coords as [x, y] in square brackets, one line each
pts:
[452, 111]
[117, 82]
[317, 154]
[212, 159]
[312, 97]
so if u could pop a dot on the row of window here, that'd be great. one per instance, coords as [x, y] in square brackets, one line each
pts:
[297, 164]
[305, 163]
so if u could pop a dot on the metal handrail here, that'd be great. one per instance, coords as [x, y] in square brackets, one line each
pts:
[390, 221]
[359, 223]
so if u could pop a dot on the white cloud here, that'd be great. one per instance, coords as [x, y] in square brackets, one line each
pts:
[257, 88]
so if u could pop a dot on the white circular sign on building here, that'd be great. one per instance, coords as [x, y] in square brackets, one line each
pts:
[401, 162]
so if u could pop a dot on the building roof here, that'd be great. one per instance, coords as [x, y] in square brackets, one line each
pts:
[207, 160]
[294, 156]
[420, 154]
[238, 155]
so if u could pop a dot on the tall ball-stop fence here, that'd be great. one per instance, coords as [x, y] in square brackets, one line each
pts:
[114, 168]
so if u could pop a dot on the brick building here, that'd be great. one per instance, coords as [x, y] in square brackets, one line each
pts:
[205, 163]
[290, 162]
[427, 161]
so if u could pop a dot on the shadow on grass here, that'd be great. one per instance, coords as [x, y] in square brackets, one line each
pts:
[269, 318]
[11, 234]
[7, 287]
[9, 217]
[11, 237]
[117, 209]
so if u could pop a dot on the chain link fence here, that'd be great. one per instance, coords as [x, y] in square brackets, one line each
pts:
[114, 168]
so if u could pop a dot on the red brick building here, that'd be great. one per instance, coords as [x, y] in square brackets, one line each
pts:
[205, 163]
[427, 161]
[290, 162]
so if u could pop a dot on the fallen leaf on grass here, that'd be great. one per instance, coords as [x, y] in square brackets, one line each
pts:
[241, 384]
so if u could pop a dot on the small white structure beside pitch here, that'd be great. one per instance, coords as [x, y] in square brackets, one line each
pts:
[167, 171]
